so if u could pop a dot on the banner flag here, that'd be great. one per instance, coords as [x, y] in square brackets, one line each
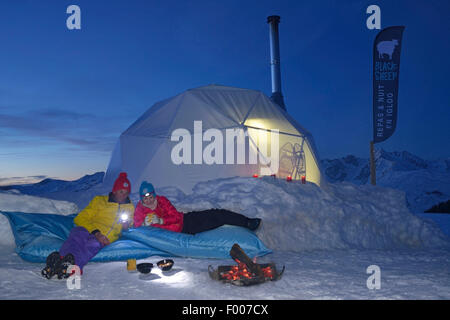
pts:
[386, 67]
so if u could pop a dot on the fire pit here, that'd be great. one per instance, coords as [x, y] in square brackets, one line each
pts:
[246, 272]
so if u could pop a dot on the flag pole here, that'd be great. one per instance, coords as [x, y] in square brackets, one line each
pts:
[373, 178]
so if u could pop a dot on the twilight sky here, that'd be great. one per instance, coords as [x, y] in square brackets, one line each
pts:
[66, 95]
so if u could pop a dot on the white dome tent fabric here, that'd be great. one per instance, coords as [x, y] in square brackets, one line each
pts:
[213, 132]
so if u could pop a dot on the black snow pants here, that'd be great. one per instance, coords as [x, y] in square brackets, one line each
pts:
[199, 221]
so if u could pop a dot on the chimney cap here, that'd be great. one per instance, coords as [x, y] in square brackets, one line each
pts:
[271, 19]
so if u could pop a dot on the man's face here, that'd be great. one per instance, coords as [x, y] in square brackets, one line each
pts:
[120, 195]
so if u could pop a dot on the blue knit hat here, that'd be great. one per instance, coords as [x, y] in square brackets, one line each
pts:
[146, 187]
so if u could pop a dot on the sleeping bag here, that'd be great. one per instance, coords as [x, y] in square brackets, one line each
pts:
[38, 235]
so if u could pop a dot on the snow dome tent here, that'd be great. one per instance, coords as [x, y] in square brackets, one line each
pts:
[213, 132]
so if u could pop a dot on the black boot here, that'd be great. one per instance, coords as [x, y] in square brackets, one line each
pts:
[53, 265]
[253, 224]
[66, 261]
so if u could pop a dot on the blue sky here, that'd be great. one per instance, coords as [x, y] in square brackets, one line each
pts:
[66, 95]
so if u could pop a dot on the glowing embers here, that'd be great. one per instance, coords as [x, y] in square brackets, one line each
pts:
[240, 275]
[241, 271]
[246, 272]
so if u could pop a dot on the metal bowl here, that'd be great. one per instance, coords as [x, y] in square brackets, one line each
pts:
[165, 265]
[144, 267]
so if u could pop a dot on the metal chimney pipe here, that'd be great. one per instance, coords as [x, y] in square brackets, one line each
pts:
[276, 97]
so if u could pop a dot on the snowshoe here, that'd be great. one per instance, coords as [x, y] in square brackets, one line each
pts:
[53, 264]
[66, 261]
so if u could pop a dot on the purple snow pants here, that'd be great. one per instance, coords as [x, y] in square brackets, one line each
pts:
[83, 245]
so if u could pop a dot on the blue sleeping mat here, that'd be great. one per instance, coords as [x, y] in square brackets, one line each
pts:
[37, 235]
[214, 243]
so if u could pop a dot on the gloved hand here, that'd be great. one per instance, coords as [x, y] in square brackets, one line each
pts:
[125, 225]
[148, 220]
[102, 238]
[152, 219]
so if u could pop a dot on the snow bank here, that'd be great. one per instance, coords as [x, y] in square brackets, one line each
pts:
[14, 201]
[296, 217]
[299, 217]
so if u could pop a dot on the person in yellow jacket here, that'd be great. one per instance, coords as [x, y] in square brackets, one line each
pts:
[97, 225]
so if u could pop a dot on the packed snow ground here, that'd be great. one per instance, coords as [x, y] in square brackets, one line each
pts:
[326, 238]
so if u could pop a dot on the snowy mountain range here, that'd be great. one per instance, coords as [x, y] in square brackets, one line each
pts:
[426, 183]
[55, 186]
[78, 191]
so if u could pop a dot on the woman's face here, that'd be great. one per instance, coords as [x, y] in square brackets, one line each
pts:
[149, 199]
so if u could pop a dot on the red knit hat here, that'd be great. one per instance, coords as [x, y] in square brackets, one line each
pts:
[122, 183]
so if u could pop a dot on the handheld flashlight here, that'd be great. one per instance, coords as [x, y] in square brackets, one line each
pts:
[124, 217]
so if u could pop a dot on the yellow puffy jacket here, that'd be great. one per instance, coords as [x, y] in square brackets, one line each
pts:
[104, 214]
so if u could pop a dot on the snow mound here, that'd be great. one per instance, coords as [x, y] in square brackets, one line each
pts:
[299, 217]
[14, 201]
[296, 217]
